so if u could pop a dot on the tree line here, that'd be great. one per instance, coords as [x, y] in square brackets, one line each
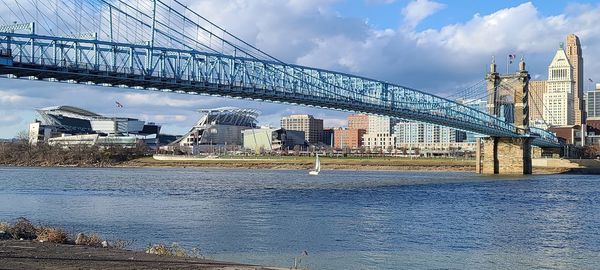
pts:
[22, 153]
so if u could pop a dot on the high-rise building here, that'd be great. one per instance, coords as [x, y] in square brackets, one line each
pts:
[477, 104]
[312, 127]
[381, 124]
[593, 104]
[379, 134]
[576, 60]
[558, 99]
[328, 136]
[379, 141]
[417, 132]
[537, 89]
[358, 121]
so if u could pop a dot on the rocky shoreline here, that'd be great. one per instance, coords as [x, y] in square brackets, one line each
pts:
[24, 245]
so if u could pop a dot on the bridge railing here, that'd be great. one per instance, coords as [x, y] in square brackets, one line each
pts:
[189, 71]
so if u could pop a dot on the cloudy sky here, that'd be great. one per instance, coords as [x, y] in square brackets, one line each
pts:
[436, 46]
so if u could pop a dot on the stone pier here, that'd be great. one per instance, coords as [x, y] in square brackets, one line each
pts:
[507, 155]
[503, 155]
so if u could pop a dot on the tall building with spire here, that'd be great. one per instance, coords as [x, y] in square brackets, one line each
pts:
[573, 50]
[558, 100]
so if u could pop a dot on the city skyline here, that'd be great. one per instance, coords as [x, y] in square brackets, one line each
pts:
[177, 113]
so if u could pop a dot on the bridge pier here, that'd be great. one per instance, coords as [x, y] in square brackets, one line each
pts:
[507, 155]
[500, 155]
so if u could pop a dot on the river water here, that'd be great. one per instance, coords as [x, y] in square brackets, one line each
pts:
[344, 220]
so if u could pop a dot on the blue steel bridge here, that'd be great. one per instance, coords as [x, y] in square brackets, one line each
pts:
[166, 46]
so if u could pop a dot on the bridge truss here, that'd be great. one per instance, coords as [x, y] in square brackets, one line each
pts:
[179, 62]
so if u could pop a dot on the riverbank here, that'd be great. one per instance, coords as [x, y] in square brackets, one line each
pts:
[24, 245]
[332, 163]
[15, 254]
[305, 163]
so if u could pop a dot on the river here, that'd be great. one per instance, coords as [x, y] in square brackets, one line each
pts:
[342, 219]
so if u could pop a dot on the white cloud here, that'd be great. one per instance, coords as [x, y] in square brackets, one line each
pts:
[311, 33]
[7, 118]
[7, 98]
[418, 10]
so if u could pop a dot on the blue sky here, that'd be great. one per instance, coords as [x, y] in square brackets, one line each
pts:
[384, 14]
[435, 46]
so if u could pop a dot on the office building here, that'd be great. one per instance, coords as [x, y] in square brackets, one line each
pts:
[558, 99]
[312, 127]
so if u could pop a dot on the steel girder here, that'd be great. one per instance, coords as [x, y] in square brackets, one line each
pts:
[88, 60]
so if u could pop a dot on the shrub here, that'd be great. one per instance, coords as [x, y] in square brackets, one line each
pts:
[23, 229]
[4, 227]
[121, 244]
[52, 235]
[175, 250]
[158, 249]
[92, 240]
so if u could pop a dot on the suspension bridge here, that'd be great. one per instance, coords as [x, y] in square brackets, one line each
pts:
[163, 45]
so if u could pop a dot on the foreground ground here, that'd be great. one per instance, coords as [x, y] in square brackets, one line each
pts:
[34, 255]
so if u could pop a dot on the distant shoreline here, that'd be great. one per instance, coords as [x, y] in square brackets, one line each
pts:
[398, 164]
[306, 163]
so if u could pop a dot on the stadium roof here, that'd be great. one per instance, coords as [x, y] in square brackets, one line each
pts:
[70, 109]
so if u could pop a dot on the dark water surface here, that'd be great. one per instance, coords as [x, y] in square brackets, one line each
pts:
[345, 220]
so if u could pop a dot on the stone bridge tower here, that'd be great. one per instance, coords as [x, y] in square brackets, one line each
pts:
[507, 155]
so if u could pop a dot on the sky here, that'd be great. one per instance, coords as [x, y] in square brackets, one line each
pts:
[435, 46]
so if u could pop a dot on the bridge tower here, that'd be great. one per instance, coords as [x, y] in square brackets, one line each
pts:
[507, 155]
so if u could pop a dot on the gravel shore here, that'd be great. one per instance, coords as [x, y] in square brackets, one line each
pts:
[16, 254]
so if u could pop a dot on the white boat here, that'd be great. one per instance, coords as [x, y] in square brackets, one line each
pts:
[317, 169]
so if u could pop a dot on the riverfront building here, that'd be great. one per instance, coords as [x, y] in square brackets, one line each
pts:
[312, 127]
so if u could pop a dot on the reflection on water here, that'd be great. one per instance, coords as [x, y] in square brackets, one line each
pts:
[345, 220]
